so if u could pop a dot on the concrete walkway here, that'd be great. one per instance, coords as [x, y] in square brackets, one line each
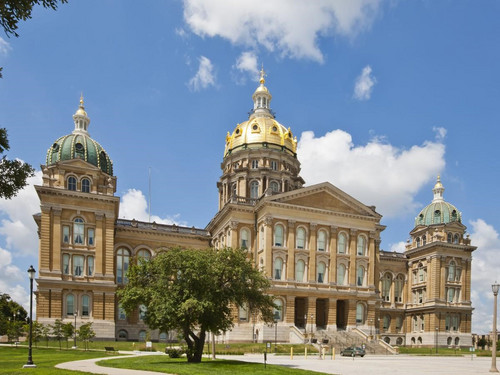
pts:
[371, 364]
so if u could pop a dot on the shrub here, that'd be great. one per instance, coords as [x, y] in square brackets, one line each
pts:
[174, 352]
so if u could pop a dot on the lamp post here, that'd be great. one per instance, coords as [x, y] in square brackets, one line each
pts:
[30, 364]
[371, 329]
[493, 368]
[312, 320]
[437, 332]
[74, 335]
[275, 333]
[305, 327]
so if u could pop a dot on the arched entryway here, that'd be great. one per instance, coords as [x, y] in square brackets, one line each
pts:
[321, 313]
[300, 312]
[341, 315]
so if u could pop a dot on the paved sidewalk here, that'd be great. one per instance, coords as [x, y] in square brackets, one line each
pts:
[89, 365]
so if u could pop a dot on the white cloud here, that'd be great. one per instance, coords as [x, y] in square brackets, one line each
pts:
[205, 75]
[398, 247]
[377, 173]
[485, 271]
[11, 278]
[363, 86]
[440, 132]
[133, 205]
[19, 228]
[246, 66]
[291, 28]
[4, 47]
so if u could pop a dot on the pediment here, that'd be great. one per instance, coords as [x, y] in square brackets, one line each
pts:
[325, 196]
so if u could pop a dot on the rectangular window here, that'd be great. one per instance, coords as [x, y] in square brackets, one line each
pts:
[274, 165]
[121, 313]
[77, 265]
[66, 264]
[85, 305]
[91, 236]
[65, 232]
[90, 266]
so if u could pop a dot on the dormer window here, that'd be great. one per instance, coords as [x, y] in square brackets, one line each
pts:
[85, 185]
[72, 183]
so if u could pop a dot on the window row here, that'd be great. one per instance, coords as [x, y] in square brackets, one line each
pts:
[321, 272]
[453, 238]
[273, 164]
[254, 188]
[122, 314]
[75, 234]
[453, 295]
[72, 307]
[387, 285]
[420, 274]
[418, 323]
[244, 314]
[301, 240]
[123, 262]
[386, 323]
[419, 295]
[453, 273]
[77, 265]
[73, 184]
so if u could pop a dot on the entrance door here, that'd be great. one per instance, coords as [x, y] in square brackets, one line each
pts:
[321, 313]
[300, 311]
[341, 315]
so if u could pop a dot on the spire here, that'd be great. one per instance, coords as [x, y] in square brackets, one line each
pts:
[261, 99]
[438, 190]
[81, 118]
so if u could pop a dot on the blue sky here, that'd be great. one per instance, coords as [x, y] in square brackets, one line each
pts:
[382, 96]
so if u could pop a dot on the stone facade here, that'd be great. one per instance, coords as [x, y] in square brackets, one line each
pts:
[318, 245]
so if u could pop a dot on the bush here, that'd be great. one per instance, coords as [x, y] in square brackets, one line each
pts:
[174, 352]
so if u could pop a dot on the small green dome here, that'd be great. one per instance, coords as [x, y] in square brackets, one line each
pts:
[439, 211]
[79, 145]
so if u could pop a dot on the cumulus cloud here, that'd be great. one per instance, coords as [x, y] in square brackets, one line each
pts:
[246, 66]
[204, 77]
[18, 227]
[363, 86]
[485, 271]
[133, 205]
[376, 173]
[4, 47]
[291, 28]
[11, 278]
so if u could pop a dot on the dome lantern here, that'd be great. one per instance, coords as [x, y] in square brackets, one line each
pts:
[81, 119]
[261, 99]
[438, 191]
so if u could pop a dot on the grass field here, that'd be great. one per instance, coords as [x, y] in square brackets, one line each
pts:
[13, 359]
[206, 367]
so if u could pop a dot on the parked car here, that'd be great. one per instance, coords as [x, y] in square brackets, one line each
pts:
[353, 351]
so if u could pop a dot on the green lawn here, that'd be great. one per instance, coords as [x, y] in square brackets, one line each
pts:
[13, 359]
[206, 367]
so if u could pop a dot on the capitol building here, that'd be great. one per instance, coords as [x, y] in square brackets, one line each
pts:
[319, 246]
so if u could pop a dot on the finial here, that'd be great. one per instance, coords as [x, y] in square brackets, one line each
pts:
[262, 75]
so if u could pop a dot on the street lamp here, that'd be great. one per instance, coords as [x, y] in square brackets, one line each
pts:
[74, 335]
[305, 327]
[493, 368]
[275, 333]
[312, 320]
[437, 330]
[31, 273]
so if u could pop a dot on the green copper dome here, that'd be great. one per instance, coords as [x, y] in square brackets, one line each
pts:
[439, 211]
[79, 145]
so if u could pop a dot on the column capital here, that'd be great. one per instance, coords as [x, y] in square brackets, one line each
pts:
[313, 226]
[234, 224]
[291, 223]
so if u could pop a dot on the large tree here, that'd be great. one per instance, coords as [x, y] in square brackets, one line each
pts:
[194, 291]
[10, 312]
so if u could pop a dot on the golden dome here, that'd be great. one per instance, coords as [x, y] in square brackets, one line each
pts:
[81, 109]
[438, 185]
[261, 132]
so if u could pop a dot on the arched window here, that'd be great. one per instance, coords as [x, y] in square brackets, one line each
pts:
[321, 272]
[360, 276]
[243, 312]
[360, 313]
[85, 185]
[341, 243]
[341, 274]
[163, 336]
[122, 263]
[398, 289]
[386, 287]
[278, 235]
[278, 268]
[299, 270]
[143, 255]
[122, 334]
[449, 340]
[234, 190]
[78, 231]
[122, 315]
[399, 323]
[103, 162]
[301, 238]
[321, 241]
[424, 240]
[262, 238]
[78, 265]
[255, 164]
[72, 183]
[415, 323]
[361, 245]
[451, 271]
[278, 310]
[421, 273]
[417, 240]
[386, 323]
[142, 312]
[275, 187]
[70, 304]
[254, 189]
[456, 239]
[85, 305]
[244, 239]
[274, 165]
[142, 335]
[449, 238]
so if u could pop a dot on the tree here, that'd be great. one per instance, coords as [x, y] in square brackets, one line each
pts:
[68, 331]
[194, 291]
[10, 311]
[41, 330]
[14, 173]
[86, 333]
[57, 331]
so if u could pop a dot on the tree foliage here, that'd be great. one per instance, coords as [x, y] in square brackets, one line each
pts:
[13, 11]
[13, 173]
[86, 333]
[57, 331]
[68, 331]
[194, 292]
[10, 312]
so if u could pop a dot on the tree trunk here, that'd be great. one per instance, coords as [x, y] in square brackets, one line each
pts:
[195, 346]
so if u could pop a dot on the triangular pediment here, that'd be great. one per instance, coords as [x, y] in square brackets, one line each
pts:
[325, 196]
